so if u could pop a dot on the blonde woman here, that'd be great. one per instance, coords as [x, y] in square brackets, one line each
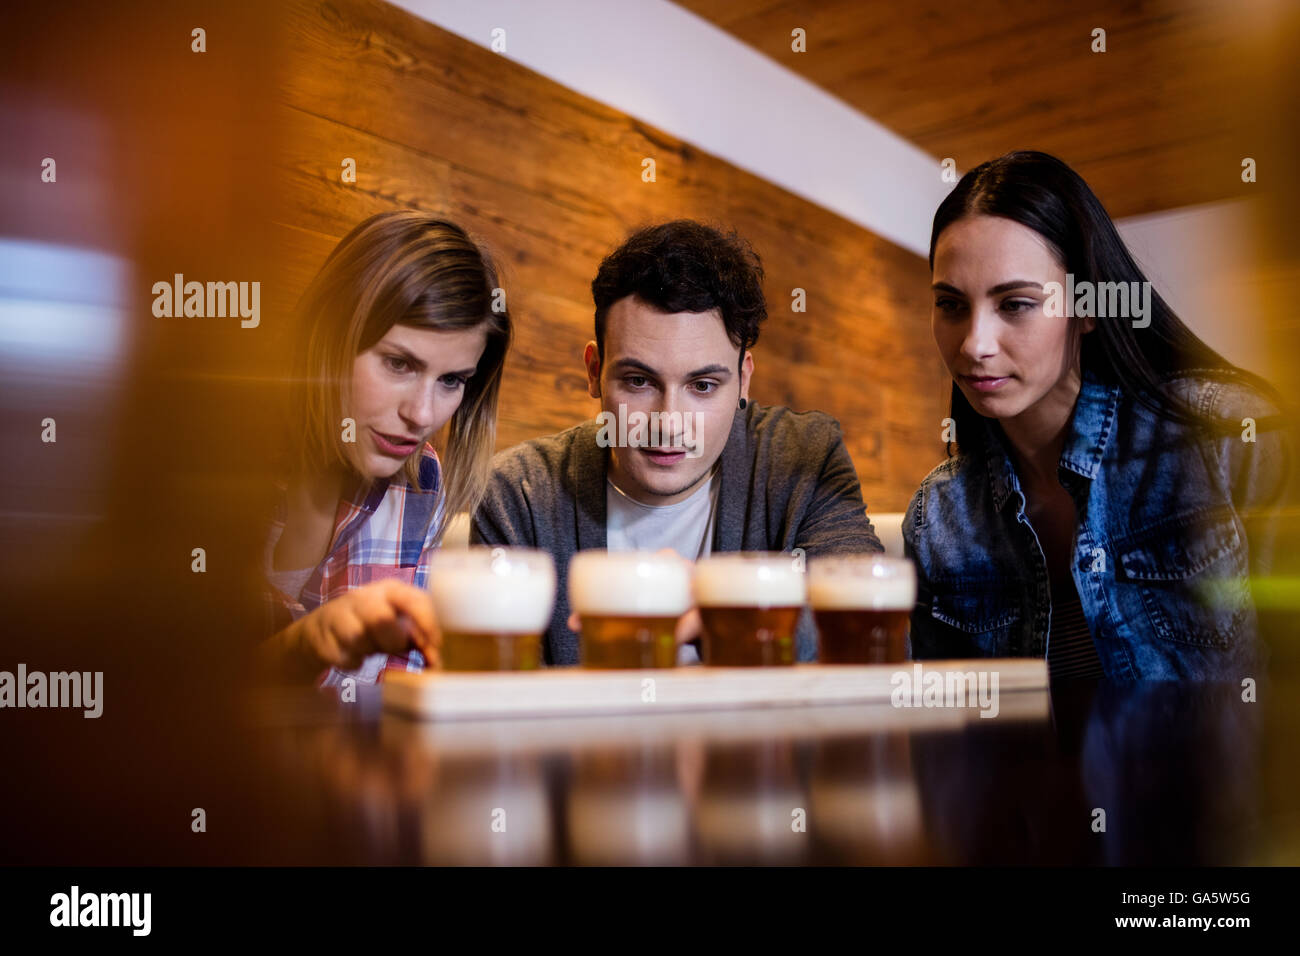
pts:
[404, 333]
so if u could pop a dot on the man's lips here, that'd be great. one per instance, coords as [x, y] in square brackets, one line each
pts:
[664, 455]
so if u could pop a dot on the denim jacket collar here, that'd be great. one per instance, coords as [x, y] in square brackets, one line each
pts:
[1091, 425]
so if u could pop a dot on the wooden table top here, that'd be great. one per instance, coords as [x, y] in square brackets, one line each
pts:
[1084, 773]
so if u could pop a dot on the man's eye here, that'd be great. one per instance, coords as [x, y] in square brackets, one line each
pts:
[395, 363]
[707, 387]
[635, 381]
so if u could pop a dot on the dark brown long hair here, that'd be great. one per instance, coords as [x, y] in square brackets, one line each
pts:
[1043, 193]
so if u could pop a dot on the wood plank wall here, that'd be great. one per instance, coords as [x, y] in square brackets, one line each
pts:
[551, 181]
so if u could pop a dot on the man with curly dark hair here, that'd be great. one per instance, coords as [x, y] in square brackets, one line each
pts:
[679, 458]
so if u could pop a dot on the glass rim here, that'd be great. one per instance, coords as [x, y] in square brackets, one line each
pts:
[857, 562]
[749, 557]
[485, 555]
[638, 556]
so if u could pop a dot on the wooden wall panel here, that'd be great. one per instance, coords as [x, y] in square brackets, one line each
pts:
[551, 181]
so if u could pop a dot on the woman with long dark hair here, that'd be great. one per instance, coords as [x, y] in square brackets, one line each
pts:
[1107, 468]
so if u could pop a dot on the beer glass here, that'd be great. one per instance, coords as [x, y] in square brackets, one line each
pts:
[861, 604]
[493, 606]
[749, 605]
[629, 603]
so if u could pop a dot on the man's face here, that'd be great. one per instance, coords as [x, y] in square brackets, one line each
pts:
[684, 368]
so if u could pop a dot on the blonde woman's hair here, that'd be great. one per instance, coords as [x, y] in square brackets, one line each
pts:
[407, 268]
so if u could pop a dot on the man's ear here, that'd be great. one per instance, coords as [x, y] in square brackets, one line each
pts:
[746, 371]
[591, 358]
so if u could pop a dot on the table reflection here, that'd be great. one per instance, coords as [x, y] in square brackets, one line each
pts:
[1085, 774]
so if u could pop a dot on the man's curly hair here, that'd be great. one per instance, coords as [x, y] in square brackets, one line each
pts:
[685, 266]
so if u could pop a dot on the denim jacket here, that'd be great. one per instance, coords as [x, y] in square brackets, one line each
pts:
[1161, 556]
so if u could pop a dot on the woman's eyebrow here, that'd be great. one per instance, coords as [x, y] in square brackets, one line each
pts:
[1015, 284]
[418, 364]
[997, 289]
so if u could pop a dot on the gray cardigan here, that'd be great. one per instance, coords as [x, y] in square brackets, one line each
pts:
[787, 482]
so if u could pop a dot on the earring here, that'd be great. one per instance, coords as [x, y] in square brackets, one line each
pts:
[743, 403]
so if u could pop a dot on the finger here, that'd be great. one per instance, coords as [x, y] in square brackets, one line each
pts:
[670, 553]
[335, 653]
[347, 633]
[417, 605]
[413, 637]
[575, 623]
[392, 634]
[388, 628]
[378, 617]
[689, 626]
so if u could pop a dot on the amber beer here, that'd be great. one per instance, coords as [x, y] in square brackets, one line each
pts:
[861, 604]
[629, 603]
[749, 606]
[492, 605]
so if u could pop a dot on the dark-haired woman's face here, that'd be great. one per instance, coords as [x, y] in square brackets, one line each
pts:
[1006, 354]
[406, 387]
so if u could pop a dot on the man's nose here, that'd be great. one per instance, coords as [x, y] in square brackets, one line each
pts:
[670, 418]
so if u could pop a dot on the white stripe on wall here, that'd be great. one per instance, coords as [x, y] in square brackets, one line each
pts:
[1202, 261]
[666, 66]
[674, 70]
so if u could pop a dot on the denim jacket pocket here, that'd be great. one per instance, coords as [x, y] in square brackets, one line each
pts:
[986, 617]
[1191, 571]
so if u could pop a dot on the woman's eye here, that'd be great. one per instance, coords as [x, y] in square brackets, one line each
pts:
[1016, 306]
[947, 305]
[453, 381]
[395, 363]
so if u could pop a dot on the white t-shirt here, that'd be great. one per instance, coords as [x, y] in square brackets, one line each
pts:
[686, 527]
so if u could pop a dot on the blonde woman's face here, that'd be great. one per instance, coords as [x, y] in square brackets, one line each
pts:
[404, 389]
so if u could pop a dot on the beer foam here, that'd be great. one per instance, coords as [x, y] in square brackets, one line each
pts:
[475, 600]
[629, 584]
[857, 592]
[734, 581]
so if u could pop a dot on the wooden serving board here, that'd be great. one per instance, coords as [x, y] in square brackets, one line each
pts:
[440, 695]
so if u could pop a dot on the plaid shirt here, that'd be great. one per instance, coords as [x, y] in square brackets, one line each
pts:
[384, 529]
